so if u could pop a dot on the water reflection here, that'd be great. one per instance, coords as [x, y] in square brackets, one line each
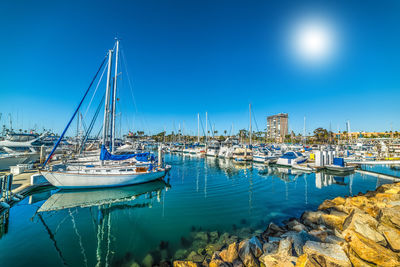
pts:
[101, 203]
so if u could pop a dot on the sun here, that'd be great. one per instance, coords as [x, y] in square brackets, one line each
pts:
[313, 41]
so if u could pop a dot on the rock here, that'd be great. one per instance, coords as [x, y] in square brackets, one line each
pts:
[193, 256]
[311, 218]
[218, 263]
[356, 261]
[224, 238]
[365, 225]
[299, 239]
[237, 263]
[148, 261]
[244, 233]
[230, 254]
[321, 234]
[180, 254]
[246, 255]
[336, 203]
[282, 257]
[256, 246]
[370, 251]
[326, 254]
[390, 216]
[213, 236]
[201, 236]
[285, 247]
[334, 220]
[274, 239]
[186, 264]
[135, 264]
[211, 248]
[272, 230]
[392, 236]
[270, 247]
[294, 225]
[332, 239]
[275, 260]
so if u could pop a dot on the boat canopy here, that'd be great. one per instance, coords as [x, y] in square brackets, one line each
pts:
[105, 155]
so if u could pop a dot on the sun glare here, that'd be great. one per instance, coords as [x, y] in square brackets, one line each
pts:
[313, 41]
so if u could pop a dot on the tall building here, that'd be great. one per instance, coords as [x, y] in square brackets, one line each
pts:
[277, 126]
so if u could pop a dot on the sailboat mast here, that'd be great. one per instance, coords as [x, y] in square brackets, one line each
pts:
[114, 98]
[206, 128]
[250, 131]
[107, 101]
[198, 127]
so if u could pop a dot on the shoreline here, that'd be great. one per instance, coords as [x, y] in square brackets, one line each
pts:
[362, 230]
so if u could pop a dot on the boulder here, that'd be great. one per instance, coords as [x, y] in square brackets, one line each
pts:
[299, 239]
[332, 239]
[194, 256]
[201, 236]
[148, 261]
[392, 236]
[365, 225]
[326, 254]
[294, 225]
[218, 263]
[256, 246]
[230, 254]
[390, 216]
[246, 255]
[336, 203]
[237, 263]
[270, 247]
[180, 254]
[334, 220]
[321, 234]
[282, 256]
[356, 261]
[370, 251]
[272, 230]
[211, 248]
[213, 236]
[186, 264]
[311, 218]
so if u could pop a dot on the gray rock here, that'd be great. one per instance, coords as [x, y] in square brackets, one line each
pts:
[299, 239]
[246, 255]
[213, 236]
[311, 218]
[270, 247]
[148, 261]
[201, 236]
[255, 246]
[180, 254]
[327, 254]
[332, 239]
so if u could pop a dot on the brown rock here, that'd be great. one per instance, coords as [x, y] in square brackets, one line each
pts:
[365, 225]
[230, 254]
[390, 216]
[334, 220]
[370, 251]
[186, 264]
[311, 218]
[356, 261]
[336, 203]
[392, 236]
[326, 254]
[272, 230]
[218, 263]
[246, 255]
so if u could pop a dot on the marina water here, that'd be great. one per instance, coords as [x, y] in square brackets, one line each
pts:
[113, 227]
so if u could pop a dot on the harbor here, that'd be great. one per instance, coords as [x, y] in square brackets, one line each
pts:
[199, 134]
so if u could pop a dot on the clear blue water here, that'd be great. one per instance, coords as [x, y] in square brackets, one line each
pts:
[119, 226]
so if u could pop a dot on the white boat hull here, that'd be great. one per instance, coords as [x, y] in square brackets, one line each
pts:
[80, 180]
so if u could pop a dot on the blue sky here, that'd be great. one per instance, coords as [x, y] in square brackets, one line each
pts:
[185, 57]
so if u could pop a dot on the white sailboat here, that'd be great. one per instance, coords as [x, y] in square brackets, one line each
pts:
[109, 170]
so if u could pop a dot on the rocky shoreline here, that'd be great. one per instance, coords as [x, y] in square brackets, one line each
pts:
[362, 230]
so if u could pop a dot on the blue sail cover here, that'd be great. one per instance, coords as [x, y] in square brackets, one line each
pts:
[105, 155]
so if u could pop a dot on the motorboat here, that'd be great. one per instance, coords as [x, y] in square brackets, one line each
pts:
[290, 158]
[242, 155]
[213, 149]
[264, 155]
[339, 166]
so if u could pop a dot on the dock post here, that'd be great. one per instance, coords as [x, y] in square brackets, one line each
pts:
[42, 154]
[160, 159]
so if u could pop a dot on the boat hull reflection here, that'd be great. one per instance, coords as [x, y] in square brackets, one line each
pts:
[65, 199]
